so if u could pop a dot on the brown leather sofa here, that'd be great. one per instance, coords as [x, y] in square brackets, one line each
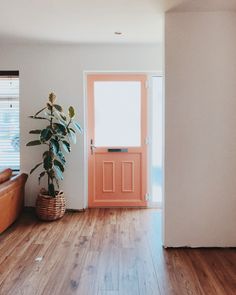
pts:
[11, 197]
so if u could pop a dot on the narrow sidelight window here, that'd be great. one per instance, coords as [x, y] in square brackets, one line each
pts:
[9, 120]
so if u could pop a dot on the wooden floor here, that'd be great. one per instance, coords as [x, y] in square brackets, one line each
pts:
[107, 252]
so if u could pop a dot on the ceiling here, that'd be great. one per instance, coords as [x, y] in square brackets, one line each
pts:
[205, 5]
[76, 21]
[91, 21]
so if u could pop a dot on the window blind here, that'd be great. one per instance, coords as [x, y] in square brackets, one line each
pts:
[9, 123]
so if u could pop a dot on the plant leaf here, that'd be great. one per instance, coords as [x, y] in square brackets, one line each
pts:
[61, 157]
[49, 106]
[55, 145]
[58, 107]
[63, 116]
[71, 135]
[36, 131]
[39, 118]
[48, 115]
[46, 153]
[39, 112]
[51, 173]
[58, 172]
[47, 162]
[41, 175]
[71, 129]
[52, 97]
[60, 128]
[71, 112]
[78, 127]
[66, 146]
[59, 164]
[61, 121]
[46, 134]
[34, 142]
[32, 170]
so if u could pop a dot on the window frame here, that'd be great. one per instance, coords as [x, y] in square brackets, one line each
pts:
[12, 74]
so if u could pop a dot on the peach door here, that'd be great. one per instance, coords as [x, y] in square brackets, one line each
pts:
[117, 132]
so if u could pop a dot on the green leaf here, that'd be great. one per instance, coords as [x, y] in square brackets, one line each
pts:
[51, 190]
[61, 157]
[34, 142]
[38, 118]
[59, 164]
[58, 107]
[46, 153]
[36, 131]
[63, 116]
[52, 97]
[46, 134]
[51, 173]
[49, 115]
[71, 135]
[72, 130]
[71, 112]
[60, 128]
[41, 175]
[55, 145]
[78, 127]
[49, 106]
[64, 123]
[39, 112]
[58, 172]
[32, 170]
[47, 162]
[66, 146]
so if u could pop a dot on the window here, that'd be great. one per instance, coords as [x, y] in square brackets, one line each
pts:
[9, 121]
[117, 113]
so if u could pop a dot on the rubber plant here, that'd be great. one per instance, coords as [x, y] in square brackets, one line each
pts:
[57, 136]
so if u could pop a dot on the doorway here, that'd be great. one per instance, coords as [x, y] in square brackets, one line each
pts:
[118, 137]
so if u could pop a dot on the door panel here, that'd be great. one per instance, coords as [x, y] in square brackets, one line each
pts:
[117, 178]
[117, 106]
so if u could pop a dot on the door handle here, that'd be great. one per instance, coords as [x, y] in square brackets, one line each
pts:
[92, 146]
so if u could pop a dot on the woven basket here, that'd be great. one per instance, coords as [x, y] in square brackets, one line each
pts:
[48, 208]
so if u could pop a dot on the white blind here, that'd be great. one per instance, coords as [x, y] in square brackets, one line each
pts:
[9, 123]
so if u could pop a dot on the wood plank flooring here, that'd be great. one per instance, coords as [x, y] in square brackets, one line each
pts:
[107, 252]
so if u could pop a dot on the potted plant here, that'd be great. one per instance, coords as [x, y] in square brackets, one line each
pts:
[57, 135]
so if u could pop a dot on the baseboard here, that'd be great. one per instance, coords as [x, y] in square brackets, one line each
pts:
[198, 247]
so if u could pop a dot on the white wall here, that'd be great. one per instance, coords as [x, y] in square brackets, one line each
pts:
[45, 68]
[200, 119]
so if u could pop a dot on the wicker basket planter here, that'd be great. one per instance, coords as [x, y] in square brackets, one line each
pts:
[48, 208]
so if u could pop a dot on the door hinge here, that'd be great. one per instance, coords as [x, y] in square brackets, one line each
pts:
[147, 197]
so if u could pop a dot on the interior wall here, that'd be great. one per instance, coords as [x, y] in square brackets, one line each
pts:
[60, 68]
[200, 122]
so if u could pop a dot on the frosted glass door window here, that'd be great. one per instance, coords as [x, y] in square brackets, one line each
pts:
[117, 107]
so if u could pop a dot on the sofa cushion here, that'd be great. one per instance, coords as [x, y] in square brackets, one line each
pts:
[5, 175]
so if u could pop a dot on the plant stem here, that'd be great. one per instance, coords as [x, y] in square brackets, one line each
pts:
[50, 180]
